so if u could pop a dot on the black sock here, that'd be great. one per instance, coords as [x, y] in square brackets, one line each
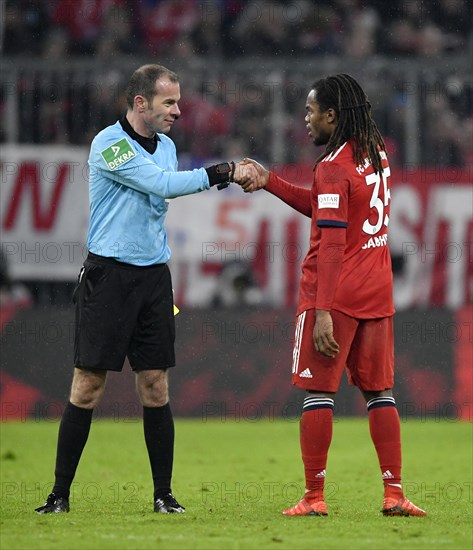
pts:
[73, 433]
[159, 436]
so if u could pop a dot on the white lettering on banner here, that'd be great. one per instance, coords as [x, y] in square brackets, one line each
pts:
[44, 216]
[329, 200]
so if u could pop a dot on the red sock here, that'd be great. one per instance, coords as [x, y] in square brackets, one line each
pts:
[316, 435]
[385, 430]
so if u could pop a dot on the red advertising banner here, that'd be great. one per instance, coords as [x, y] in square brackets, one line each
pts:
[216, 237]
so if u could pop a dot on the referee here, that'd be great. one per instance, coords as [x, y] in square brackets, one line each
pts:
[124, 303]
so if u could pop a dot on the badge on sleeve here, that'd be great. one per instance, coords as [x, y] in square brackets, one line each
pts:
[117, 154]
[329, 200]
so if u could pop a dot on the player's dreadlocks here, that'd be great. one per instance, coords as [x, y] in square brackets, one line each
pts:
[343, 94]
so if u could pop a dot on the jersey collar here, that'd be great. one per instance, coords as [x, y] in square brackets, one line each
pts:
[148, 144]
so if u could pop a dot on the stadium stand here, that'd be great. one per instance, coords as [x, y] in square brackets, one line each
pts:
[66, 61]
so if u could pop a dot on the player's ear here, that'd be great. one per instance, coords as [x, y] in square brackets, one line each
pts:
[331, 116]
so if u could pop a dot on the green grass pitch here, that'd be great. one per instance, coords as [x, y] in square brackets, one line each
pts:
[235, 478]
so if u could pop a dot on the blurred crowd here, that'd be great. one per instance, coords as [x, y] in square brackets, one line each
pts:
[229, 28]
[113, 31]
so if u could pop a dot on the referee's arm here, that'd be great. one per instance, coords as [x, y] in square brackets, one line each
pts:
[149, 178]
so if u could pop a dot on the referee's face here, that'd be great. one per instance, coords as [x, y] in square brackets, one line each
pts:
[163, 110]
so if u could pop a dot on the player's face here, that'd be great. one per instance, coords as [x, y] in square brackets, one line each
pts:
[160, 114]
[320, 124]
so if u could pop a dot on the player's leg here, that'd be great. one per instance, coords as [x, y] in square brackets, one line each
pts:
[151, 354]
[315, 437]
[385, 430]
[320, 376]
[371, 368]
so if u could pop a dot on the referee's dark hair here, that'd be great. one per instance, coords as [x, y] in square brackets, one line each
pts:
[345, 96]
[143, 82]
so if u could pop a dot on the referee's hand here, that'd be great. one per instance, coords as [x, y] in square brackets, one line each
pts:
[324, 341]
[251, 175]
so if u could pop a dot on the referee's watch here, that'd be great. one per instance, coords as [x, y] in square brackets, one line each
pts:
[221, 174]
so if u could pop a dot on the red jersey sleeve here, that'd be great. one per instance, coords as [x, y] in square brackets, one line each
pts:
[293, 195]
[332, 192]
[330, 260]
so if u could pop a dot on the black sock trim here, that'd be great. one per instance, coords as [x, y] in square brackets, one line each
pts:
[313, 403]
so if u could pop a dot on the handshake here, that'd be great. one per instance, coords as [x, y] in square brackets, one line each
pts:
[248, 173]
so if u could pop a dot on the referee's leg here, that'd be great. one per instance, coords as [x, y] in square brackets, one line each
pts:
[158, 424]
[87, 388]
[152, 387]
[86, 392]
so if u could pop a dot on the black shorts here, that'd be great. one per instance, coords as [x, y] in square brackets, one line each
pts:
[123, 310]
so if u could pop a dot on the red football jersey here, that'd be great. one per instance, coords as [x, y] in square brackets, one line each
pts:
[354, 197]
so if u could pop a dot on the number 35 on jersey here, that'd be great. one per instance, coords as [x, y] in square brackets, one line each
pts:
[377, 202]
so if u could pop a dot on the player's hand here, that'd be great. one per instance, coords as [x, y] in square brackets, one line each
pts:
[257, 178]
[324, 341]
[244, 174]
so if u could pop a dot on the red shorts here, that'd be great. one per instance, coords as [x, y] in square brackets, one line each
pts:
[366, 350]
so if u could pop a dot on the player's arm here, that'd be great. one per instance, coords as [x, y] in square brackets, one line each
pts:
[329, 267]
[293, 195]
[333, 185]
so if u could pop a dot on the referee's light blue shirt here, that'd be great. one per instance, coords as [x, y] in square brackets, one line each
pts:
[128, 192]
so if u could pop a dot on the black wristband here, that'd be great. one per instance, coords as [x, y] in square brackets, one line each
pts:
[220, 173]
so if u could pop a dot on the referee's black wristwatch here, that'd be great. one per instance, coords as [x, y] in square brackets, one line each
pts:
[221, 174]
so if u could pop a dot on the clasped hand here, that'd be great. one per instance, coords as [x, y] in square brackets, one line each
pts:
[250, 175]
